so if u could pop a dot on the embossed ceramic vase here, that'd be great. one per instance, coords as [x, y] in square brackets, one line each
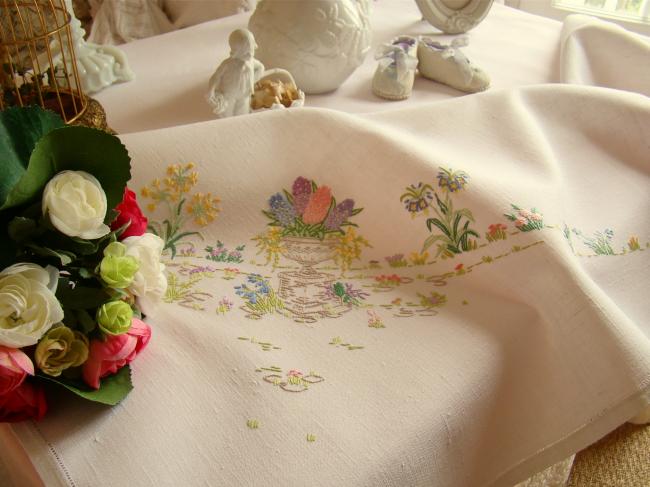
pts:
[320, 42]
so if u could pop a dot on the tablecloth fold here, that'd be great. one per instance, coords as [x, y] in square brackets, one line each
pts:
[486, 317]
[600, 53]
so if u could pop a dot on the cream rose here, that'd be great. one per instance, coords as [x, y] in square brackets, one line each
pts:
[28, 306]
[149, 281]
[76, 204]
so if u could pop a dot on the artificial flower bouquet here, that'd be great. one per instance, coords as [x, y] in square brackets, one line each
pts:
[309, 211]
[75, 262]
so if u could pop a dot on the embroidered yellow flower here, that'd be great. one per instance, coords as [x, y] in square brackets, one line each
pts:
[158, 194]
[417, 258]
[203, 208]
[271, 244]
[348, 247]
[180, 179]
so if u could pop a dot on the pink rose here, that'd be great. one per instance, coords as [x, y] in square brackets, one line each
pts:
[109, 356]
[14, 367]
[24, 402]
[130, 211]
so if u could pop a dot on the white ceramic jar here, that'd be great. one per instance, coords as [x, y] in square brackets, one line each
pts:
[320, 42]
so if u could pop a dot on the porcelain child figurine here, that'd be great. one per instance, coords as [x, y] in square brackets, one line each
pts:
[232, 84]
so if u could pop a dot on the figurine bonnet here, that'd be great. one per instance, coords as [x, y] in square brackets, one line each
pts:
[232, 84]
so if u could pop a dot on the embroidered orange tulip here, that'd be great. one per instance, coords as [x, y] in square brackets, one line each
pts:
[318, 206]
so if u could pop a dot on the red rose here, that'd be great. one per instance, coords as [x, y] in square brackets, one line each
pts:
[25, 402]
[130, 211]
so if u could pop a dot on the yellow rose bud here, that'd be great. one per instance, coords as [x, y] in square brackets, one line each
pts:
[114, 317]
[60, 349]
[118, 269]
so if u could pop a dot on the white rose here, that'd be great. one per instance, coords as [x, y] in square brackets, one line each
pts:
[28, 306]
[149, 281]
[76, 204]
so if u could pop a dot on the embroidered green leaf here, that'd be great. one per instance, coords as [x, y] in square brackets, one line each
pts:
[253, 424]
[311, 438]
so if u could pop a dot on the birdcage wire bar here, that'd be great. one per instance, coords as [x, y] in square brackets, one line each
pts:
[33, 71]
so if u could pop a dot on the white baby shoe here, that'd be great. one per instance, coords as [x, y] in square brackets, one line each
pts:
[445, 63]
[393, 79]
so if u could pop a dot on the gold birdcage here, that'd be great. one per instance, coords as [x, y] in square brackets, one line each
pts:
[38, 59]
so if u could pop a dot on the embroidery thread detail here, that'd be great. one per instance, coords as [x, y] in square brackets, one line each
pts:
[526, 220]
[173, 193]
[453, 224]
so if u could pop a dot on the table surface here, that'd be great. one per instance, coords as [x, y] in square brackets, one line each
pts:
[172, 70]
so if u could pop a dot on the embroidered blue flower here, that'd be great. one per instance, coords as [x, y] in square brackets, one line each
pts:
[417, 198]
[452, 181]
[282, 210]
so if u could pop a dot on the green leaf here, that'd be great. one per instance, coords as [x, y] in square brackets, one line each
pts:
[339, 289]
[112, 389]
[180, 207]
[64, 257]
[74, 148]
[174, 240]
[85, 273]
[80, 297]
[440, 225]
[288, 196]
[466, 212]
[21, 229]
[443, 207]
[431, 239]
[20, 130]
[85, 321]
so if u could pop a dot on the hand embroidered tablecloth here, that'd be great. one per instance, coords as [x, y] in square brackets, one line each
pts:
[485, 316]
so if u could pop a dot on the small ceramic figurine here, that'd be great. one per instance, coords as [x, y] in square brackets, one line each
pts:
[233, 83]
[98, 66]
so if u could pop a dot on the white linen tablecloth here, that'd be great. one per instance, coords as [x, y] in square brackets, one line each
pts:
[473, 367]
[172, 70]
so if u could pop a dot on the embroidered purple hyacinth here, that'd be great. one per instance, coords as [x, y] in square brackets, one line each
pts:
[339, 214]
[301, 191]
[282, 209]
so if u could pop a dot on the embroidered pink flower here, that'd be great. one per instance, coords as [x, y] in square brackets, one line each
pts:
[520, 222]
[523, 213]
[24, 402]
[318, 206]
[107, 357]
[536, 217]
[301, 192]
[459, 267]
[294, 373]
[130, 212]
[14, 367]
